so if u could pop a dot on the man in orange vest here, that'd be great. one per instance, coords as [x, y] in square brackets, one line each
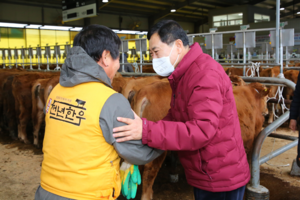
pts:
[81, 156]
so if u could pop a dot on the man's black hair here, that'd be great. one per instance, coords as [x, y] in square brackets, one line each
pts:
[169, 31]
[94, 39]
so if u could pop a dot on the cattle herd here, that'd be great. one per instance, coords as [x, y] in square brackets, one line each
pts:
[23, 95]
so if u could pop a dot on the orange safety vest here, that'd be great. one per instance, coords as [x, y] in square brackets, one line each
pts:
[78, 162]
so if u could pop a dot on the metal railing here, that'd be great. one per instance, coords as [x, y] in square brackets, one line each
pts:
[254, 189]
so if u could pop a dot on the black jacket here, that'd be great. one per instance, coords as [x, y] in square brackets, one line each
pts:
[295, 106]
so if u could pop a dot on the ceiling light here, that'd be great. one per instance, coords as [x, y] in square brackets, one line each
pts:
[12, 25]
[143, 33]
[173, 10]
[298, 13]
[282, 8]
[127, 32]
[65, 28]
[240, 14]
[33, 26]
[104, 1]
[76, 29]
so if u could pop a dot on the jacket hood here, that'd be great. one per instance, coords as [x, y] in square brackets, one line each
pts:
[79, 68]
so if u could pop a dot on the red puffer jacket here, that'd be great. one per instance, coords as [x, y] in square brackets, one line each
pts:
[202, 125]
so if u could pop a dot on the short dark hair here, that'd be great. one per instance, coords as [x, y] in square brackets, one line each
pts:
[94, 39]
[169, 31]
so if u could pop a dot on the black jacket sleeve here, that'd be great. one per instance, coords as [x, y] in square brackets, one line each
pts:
[295, 106]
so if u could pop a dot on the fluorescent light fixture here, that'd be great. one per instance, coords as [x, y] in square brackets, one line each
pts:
[12, 25]
[143, 33]
[64, 28]
[282, 8]
[298, 13]
[127, 32]
[240, 14]
[104, 1]
[76, 29]
[33, 26]
[173, 10]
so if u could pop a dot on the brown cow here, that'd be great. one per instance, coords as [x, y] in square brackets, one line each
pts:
[271, 72]
[40, 92]
[120, 82]
[252, 107]
[153, 102]
[239, 71]
[7, 118]
[237, 81]
[38, 104]
[22, 85]
[135, 85]
[292, 75]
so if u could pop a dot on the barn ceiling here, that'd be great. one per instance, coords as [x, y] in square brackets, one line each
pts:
[186, 10]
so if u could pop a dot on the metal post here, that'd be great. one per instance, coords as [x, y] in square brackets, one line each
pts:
[287, 56]
[23, 55]
[281, 53]
[231, 54]
[47, 52]
[9, 58]
[213, 46]
[258, 144]
[141, 57]
[30, 53]
[123, 54]
[267, 53]
[57, 55]
[244, 52]
[255, 190]
[249, 54]
[277, 30]
[3, 57]
[16, 56]
[39, 54]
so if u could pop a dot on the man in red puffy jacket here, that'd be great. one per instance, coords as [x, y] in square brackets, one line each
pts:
[202, 123]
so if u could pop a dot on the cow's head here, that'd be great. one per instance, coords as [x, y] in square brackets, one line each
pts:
[261, 93]
[236, 80]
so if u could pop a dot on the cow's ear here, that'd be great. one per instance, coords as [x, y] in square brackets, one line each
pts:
[131, 95]
[265, 92]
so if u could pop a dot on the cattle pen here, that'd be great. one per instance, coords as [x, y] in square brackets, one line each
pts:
[50, 59]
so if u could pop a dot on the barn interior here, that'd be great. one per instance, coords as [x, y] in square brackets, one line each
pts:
[247, 37]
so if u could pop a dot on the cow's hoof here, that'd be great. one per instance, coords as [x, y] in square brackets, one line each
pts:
[27, 141]
[174, 178]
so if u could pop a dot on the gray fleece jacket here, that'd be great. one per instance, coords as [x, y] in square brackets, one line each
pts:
[79, 68]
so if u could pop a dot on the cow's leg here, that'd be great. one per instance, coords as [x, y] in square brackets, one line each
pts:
[149, 174]
[271, 112]
[37, 127]
[24, 118]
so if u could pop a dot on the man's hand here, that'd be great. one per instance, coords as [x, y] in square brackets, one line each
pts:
[293, 124]
[133, 131]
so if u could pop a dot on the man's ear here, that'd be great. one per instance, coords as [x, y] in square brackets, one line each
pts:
[179, 45]
[103, 61]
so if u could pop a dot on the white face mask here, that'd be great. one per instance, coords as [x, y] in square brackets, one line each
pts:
[163, 66]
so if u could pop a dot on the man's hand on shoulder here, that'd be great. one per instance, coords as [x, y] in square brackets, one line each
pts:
[132, 131]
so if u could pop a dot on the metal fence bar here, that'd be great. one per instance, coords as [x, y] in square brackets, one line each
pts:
[281, 136]
[278, 152]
